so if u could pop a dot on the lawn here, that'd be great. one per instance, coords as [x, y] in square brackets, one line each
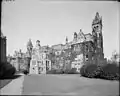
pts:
[69, 85]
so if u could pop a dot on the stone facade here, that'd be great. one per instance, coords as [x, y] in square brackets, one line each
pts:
[20, 61]
[83, 49]
[89, 46]
[40, 62]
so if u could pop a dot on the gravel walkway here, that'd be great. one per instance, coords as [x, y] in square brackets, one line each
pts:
[14, 87]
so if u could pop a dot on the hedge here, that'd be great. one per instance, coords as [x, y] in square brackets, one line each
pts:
[108, 71]
[55, 72]
[6, 70]
[91, 70]
[67, 71]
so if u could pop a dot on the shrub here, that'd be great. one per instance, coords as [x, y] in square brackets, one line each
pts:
[51, 72]
[72, 71]
[6, 70]
[55, 71]
[82, 70]
[107, 71]
[59, 72]
[9, 73]
[91, 70]
[25, 72]
[110, 72]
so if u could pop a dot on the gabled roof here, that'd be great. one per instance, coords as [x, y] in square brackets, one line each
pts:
[88, 37]
[57, 47]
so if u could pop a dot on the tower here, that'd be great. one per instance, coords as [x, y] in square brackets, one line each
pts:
[97, 37]
[97, 33]
[29, 53]
[29, 48]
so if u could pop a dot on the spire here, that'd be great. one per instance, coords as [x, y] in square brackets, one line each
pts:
[29, 44]
[97, 15]
[80, 30]
[20, 51]
[81, 35]
[66, 39]
[97, 19]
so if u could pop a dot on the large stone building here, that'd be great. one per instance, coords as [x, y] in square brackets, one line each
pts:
[83, 49]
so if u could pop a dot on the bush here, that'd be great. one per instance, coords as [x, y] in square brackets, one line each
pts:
[73, 71]
[59, 72]
[70, 71]
[110, 72]
[24, 71]
[82, 70]
[91, 70]
[55, 72]
[51, 72]
[9, 73]
[6, 70]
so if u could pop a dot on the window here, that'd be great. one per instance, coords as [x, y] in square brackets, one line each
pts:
[86, 47]
[74, 48]
[41, 69]
[86, 57]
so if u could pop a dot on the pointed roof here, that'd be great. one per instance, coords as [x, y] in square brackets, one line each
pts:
[75, 33]
[97, 19]
[66, 38]
[29, 44]
[81, 35]
[88, 37]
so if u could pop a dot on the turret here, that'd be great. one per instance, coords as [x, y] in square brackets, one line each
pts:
[29, 47]
[75, 36]
[97, 31]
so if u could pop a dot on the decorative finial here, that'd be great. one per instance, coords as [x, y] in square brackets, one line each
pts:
[66, 39]
[80, 30]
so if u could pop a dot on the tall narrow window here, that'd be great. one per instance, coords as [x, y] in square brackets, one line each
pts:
[86, 57]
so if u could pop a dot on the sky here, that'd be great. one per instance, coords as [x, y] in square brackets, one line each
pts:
[51, 21]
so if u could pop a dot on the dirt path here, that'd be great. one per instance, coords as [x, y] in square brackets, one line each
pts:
[14, 87]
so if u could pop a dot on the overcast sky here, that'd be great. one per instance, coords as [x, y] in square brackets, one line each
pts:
[50, 22]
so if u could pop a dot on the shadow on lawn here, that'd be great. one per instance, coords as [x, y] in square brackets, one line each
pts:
[10, 77]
